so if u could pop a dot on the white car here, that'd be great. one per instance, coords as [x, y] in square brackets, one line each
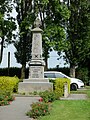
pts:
[74, 82]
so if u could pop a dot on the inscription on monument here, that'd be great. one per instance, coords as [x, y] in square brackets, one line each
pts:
[36, 72]
[36, 43]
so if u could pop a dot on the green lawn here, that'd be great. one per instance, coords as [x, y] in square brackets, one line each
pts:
[70, 109]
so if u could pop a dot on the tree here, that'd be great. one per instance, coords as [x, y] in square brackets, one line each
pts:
[52, 19]
[53, 15]
[25, 20]
[78, 34]
[7, 25]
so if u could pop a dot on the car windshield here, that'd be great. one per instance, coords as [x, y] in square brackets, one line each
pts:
[55, 75]
[58, 75]
[49, 75]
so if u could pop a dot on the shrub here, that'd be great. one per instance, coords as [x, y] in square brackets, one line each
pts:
[12, 72]
[38, 109]
[48, 96]
[5, 100]
[82, 73]
[59, 86]
[8, 84]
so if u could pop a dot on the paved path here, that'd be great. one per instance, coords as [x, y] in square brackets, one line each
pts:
[17, 109]
[75, 97]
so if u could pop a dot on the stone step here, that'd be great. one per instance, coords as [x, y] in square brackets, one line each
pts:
[36, 80]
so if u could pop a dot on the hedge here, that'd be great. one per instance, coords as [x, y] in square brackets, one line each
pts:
[59, 85]
[8, 84]
[17, 71]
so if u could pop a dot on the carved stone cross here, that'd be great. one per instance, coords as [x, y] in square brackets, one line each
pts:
[37, 22]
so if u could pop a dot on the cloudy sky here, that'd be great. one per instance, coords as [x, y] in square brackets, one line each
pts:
[52, 61]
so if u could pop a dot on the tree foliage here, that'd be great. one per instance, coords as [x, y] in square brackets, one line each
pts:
[7, 24]
[52, 14]
[54, 32]
[25, 20]
[78, 33]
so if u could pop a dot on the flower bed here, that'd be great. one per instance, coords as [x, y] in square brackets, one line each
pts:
[38, 109]
[42, 107]
[6, 100]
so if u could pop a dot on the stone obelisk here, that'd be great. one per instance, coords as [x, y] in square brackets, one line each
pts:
[36, 80]
[37, 64]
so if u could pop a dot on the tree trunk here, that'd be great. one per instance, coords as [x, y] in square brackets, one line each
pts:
[72, 71]
[46, 63]
[1, 49]
[23, 71]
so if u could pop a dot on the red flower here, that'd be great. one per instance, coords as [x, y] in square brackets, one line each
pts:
[41, 99]
[44, 111]
[9, 102]
[36, 111]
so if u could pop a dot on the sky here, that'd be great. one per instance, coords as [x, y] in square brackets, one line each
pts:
[52, 61]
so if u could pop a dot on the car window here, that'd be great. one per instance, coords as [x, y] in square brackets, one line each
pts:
[58, 75]
[49, 75]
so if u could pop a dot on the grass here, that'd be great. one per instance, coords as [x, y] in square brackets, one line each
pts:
[70, 109]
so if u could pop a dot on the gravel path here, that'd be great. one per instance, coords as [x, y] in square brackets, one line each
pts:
[75, 97]
[17, 109]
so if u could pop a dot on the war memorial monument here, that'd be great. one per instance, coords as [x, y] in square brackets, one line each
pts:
[36, 80]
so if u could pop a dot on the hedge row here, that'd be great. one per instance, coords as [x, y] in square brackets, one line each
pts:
[58, 85]
[8, 85]
[14, 71]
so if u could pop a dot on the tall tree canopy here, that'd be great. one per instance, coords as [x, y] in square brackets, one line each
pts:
[53, 15]
[25, 18]
[7, 24]
[55, 18]
[78, 33]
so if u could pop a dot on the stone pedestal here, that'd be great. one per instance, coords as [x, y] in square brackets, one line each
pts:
[36, 69]
[31, 85]
[36, 81]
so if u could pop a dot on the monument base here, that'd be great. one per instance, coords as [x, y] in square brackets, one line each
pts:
[34, 84]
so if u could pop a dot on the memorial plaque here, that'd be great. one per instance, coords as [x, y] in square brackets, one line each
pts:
[36, 72]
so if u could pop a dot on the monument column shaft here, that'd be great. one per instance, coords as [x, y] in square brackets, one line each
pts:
[36, 46]
[36, 69]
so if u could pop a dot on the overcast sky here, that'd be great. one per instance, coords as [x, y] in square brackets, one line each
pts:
[52, 61]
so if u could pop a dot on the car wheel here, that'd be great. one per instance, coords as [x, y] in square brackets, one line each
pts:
[73, 87]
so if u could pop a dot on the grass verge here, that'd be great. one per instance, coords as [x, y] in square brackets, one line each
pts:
[70, 109]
